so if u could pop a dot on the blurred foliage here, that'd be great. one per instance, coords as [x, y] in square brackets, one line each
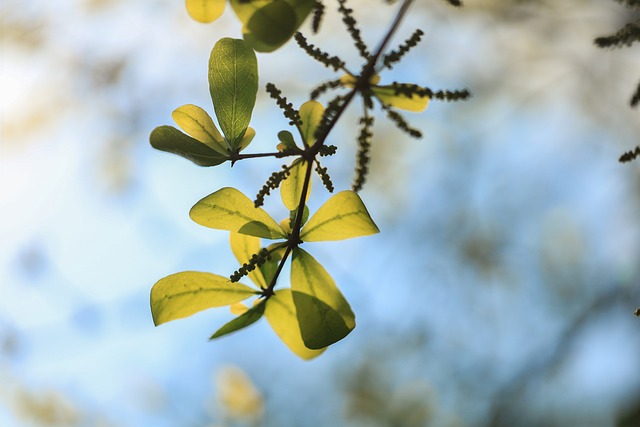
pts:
[238, 397]
[509, 243]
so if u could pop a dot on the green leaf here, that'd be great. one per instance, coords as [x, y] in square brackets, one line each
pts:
[286, 141]
[324, 315]
[205, 10]
[269, 24]
[170, 139]
[281, 314]
[305, 215]
[244, 247]
[269, 268]
[251, 316]
[387, 95]
[197, 123]
[291, 187]
[183, 294]
[229, 209]
[343, 216]
[244, 10]
[233, 83]
[310, 114]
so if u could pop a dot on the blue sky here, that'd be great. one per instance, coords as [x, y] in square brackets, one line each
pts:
[508, 220]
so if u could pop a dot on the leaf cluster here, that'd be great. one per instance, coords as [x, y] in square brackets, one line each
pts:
[312, 314]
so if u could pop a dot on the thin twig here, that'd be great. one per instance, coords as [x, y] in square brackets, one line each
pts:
[311, 152]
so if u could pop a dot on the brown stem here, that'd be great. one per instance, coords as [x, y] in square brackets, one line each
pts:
[311, 152]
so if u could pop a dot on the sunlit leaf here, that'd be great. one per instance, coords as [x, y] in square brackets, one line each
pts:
[269, 24]
[286, 141]
[170, 139]
[324, 315]
[229, 209]
[350, 81]
[269, 268]
[251, 316]
[244, 247]
[233, 83]
[197, 123]
[281, 314]
[310, 114]
[343, 216]
[387, 95]
[291, 187]
[205, 10]
[302, 8]
[244, 10]
[246, 139]
[287, 223]
[305, 215]
[183, 294]
[238, 308]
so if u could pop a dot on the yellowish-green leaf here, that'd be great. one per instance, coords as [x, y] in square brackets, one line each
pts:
[205, 10]
[350, 81]
[343, 216]
[238, 308]
[170, 139]
[233, 84]
[387, 95]
[268, 24]
[244, 10]
[324, 315]
[270, 267]
[244, 247]
[286, 141]
[287, 223]
[247, 138]
[229, 209]
[281, 314]
[249, 317]
[310, 114]
[197, 123]
[291, 187]
[183, 294]
[302, 8]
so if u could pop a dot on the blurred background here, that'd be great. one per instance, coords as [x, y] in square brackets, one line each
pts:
[500, 291]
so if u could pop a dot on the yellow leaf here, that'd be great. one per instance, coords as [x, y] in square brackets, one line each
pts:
[197, 123]
[244, 247]
[387, 95]
[310, 114]
[324, 315]
[183, 294]
[291, 187]
[343, 216]
[281, 314]
[229, 209]
[205, 11]
[238, 308]
[350, 81]
[239, 398]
